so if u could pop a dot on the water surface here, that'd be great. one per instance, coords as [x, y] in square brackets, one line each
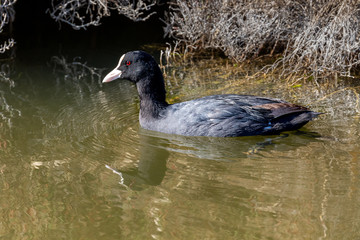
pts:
[74, 163]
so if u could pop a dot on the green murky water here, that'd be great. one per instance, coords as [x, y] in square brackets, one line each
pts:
[74, 163]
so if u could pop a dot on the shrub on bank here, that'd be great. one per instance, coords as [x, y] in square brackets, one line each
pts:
[318, 37]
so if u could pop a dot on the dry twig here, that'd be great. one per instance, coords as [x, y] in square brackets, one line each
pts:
[7, 15]
[80, 14]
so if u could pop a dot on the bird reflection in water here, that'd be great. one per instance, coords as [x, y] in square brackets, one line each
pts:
[152, 165]
[155, 149]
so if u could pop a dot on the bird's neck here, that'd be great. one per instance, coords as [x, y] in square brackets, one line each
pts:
[152, 96]
[151, 109]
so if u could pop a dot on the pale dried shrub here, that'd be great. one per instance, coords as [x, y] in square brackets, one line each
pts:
[316, 38]
[328, 43]
[239, 28]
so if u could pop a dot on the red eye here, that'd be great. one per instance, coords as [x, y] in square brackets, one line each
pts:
[128, 63]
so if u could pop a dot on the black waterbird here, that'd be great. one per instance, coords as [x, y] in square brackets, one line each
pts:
[226, 115]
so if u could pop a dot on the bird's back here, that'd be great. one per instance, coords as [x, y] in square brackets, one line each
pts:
[229, 115]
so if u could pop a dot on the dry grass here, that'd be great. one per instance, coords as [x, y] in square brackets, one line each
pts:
[317, 38]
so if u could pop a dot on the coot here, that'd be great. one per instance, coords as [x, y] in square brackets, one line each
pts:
[227, 115]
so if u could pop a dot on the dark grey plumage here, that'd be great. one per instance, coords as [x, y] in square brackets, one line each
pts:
[218, 115]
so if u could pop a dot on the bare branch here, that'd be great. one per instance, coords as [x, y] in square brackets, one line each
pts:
[319, 37]
[7, 45]
[7, 14]
[80, 14]
[329, 41]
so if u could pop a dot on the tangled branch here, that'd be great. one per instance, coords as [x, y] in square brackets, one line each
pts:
[317, 37]
[241, 29]
[80, 14]
[7, 14]
[7, 45]
[328, 43]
